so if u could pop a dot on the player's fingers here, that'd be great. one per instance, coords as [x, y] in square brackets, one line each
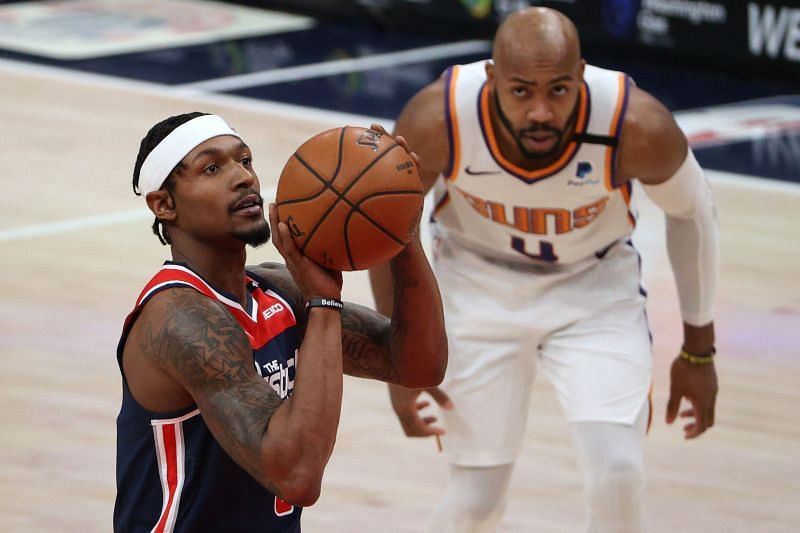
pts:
[429, 420]
[687, 412]
[700, 420]
[672, 406]
[422, 404]
[273, 222]
[425, 431]
[711, 412]
[287, 248]
[336, 275]
[281, 237]
[410, 431]
[410, 425]
[377, 127]
[415, 158]
[441, 397]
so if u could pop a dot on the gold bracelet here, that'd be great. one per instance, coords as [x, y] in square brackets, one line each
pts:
[698, 359]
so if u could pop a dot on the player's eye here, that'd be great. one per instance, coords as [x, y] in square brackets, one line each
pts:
[519, 92]
[211, 169]
[247, 161]
[560, 90]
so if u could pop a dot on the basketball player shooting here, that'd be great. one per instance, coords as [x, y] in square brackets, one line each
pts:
[532, 156]
[232, 377]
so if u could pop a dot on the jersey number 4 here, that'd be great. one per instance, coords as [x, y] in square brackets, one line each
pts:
[546, 251]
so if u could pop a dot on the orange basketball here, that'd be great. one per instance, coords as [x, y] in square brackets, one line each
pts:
[350, 197]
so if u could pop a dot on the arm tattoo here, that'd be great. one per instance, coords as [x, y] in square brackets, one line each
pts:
[401, 281]
[365, 334]
[199, 343]
[365, 344]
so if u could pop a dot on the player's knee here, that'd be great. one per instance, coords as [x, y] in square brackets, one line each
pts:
[470, 515]
[474, 502]
[614, 498]
[622, 475]
[484, 511]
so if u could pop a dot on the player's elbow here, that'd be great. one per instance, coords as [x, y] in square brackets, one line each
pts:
[431, 373]
[294, 467]
[303, 492]
[302, 487]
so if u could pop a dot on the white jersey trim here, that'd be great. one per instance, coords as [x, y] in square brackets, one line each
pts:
[170, 452]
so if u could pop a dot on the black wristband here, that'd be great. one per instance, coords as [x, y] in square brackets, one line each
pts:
[330, 303]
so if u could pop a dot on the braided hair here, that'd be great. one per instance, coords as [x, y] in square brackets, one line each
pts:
[154, 136]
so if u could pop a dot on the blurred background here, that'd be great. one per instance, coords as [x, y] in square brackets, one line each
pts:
[81, 81]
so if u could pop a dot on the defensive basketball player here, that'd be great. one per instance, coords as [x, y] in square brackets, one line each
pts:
[535, 154]
[232, 378]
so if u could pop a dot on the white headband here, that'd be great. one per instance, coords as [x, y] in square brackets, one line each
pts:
[170, 151]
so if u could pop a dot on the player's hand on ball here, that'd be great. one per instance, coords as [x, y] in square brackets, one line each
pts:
[399, 139]
[402, 142]
[407, 406]
[312, 279]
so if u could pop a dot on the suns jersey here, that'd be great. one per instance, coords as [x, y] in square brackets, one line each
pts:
[563, 213]
[172, 475]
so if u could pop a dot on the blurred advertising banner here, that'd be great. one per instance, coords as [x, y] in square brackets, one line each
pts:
[759, 36]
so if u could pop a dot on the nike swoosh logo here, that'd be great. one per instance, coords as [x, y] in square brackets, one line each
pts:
[471, 172]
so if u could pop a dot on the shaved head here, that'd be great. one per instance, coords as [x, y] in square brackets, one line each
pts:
[536, 35]
[535, 81]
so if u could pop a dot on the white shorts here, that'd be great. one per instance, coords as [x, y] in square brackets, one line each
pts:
[583, 324]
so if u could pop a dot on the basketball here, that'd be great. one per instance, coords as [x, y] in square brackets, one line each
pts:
[351, 197]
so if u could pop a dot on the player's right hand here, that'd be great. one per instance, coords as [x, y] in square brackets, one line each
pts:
[312, 279]
[407, 406]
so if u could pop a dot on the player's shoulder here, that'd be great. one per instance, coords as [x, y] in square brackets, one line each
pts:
[651, 140]
[278, 278]
[168, 318]
[646, 114]
[428, 103]
[186, 300]
[423, 123]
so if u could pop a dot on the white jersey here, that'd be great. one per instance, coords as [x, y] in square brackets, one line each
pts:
[563, 213]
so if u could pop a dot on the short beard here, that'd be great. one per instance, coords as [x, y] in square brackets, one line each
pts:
[256, 235]
[536, 127]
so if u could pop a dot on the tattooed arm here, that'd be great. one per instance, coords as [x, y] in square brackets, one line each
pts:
[185, 347]
[411, 349]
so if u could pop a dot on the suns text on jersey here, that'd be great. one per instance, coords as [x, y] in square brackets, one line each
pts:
[536, 220]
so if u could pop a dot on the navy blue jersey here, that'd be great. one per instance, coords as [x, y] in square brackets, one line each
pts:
[172, 475]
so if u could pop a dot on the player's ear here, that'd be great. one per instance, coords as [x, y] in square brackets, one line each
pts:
[490, 74]
[161, 204]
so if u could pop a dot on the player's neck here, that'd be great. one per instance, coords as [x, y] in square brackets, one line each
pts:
[221, 267]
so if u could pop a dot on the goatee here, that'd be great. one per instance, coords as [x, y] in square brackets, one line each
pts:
[256, 235]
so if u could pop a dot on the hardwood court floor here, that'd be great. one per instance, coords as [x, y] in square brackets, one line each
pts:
[76, 249]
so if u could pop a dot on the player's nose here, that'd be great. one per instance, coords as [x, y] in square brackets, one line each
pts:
[243, 177]
[540, 111]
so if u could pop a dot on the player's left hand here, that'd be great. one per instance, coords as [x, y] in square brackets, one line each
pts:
[312, 279]
[698, 384]
[399, 139]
